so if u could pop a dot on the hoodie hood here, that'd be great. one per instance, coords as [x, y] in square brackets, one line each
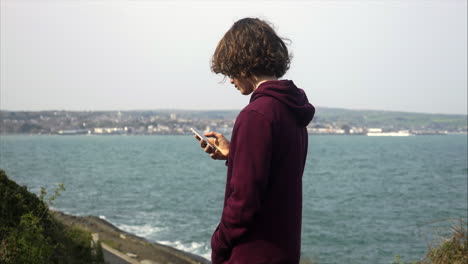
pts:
[287, 93]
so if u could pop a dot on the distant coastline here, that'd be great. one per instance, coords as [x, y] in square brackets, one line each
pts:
[327, 121]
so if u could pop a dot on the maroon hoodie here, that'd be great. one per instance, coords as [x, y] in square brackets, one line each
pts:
[261, 220]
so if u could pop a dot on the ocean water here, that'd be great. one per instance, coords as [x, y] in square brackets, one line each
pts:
[366, 199]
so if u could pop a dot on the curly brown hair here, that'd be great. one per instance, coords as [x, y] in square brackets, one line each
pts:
[251, 47]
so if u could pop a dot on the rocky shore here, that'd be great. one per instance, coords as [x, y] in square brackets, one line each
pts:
[127, 248]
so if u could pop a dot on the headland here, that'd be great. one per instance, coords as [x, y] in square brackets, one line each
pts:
[134, 249]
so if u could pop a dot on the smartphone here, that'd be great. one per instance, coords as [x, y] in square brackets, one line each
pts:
[204, 138]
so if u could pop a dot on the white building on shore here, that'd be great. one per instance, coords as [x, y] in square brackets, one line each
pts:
[377, 132]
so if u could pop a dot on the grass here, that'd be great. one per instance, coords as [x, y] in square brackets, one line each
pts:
[111, 244]
[453, 249]
[446, 250]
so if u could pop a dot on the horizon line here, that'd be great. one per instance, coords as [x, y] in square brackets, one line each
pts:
[231, 109]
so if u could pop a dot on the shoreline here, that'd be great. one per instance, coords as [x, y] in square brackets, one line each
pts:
[134, 247]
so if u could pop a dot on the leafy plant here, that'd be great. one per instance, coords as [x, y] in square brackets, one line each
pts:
[29, 233]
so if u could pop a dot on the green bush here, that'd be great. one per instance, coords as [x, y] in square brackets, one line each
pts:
[29, 234]
[27, 243]
[15, 201]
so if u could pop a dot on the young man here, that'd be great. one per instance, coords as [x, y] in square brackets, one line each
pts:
[261, 219]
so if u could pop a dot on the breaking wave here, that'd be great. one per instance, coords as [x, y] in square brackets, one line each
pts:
[197, 248]
[140, 230]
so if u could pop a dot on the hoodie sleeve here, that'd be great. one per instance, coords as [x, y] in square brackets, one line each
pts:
[250, 173]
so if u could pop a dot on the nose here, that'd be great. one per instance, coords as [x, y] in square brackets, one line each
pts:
[231, 81]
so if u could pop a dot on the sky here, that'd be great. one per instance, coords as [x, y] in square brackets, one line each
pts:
[396, 55]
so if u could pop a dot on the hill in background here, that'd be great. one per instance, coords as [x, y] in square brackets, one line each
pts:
[390, 120]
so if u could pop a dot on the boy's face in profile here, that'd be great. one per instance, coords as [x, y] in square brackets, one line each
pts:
[245, 86]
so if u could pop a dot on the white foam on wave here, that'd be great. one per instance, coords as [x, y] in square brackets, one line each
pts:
[148, 231]
[103, 217]
[197, 248]
[140, 230]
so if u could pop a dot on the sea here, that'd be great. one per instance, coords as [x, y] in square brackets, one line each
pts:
[365, 199]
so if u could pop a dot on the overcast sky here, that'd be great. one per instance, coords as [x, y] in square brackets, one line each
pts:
[395, 55]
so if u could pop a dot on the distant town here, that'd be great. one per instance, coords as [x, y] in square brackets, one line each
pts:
[328, 121]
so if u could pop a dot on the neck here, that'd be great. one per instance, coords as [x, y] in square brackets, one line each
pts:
[261, 79]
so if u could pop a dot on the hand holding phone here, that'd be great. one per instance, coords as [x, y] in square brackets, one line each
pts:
[200, 136]
[218, 147]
